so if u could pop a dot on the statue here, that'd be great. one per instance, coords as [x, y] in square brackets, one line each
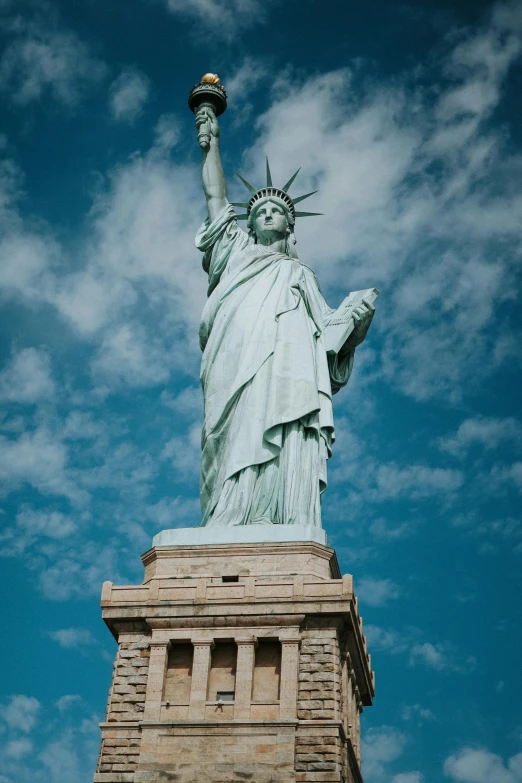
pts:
[274, 353]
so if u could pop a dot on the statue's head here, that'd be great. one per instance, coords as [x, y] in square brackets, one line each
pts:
[271, 218]
[270, 213]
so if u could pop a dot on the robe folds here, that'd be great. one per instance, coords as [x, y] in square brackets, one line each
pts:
[267, 383]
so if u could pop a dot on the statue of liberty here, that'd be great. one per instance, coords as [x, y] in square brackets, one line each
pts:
[268, 369]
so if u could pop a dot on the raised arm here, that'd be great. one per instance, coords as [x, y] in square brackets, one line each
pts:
[214, 185]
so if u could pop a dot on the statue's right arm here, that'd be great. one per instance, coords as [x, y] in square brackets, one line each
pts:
[214, 184]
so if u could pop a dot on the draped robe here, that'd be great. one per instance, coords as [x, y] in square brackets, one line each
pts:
[267, 383]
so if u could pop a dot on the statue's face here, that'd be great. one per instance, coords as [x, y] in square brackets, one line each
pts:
[270, 221]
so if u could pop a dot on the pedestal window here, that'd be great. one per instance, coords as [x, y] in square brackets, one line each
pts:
[222, 675]
[178, 677]
[267, 671]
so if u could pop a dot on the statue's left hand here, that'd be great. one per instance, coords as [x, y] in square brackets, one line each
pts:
[362, 317]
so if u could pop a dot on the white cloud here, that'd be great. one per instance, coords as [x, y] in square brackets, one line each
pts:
[17, 748]
[486, 432]
[376, 482]
[188, 402]
[376, 592]
[175, 512]
[380, 639]
[128, 94]
[381, 528]
[251, 71]
[167, 132]
[52, 524]
[507, 474]
[475, 765]
[125, 469]
[21, 712]
[128, 354]
[79, 574]
[38, 458]
[80, 425]
[415, 481]
[68, 757]
[433, 656]
[70, 638]
[35, 528]
[508, 529]
[184, 453]
[64, 702]
[43, 59]
[90, 299]
[140, 239]
[381, 746]
[27, 378]
[417, 711]
[26, 258]
[223, 17]
[441, 657]
[61, 760]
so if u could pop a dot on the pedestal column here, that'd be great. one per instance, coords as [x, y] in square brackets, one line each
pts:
[289, 677]
[200, 670]
[244, 673]
[156, 678]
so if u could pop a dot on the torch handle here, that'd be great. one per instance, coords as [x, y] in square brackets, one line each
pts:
[204, 133]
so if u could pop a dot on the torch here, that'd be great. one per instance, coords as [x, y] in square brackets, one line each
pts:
[209, 93]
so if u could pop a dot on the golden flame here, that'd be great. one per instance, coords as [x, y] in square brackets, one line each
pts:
[210, 78]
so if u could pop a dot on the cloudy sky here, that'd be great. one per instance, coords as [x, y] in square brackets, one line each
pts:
[406, 117]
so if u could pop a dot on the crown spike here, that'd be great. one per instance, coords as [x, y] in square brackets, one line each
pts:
[289, 183]
[269, 183]
[246, 184]
[308, 214]
[241, 217]
[302, 198]
[243, 204]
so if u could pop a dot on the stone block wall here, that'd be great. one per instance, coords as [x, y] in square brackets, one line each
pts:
[319, 695]
[318, 753]
[119, 755]
[327, 737]
[120, 747]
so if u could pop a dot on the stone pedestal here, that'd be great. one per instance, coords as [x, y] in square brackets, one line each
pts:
[236, 661]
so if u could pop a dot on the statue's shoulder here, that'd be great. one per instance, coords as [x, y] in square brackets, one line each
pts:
[310, 275]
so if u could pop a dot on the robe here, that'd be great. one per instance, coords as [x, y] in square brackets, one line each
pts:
[267, 383]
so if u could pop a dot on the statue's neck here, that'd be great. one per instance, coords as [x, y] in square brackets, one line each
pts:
[274, 245]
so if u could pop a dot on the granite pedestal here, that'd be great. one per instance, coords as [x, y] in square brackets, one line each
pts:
[239, 659]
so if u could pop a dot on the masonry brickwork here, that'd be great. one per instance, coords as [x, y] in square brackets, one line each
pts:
[235, 663]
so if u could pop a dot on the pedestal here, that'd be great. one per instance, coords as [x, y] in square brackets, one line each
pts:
[237, 661]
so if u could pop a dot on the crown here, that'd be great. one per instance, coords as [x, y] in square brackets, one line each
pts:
[272, 192]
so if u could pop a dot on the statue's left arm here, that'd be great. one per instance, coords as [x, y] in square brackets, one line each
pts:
[362, 317]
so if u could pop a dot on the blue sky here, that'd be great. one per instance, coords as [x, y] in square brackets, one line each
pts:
[406, 117]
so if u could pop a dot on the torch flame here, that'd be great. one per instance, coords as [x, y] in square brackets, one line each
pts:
[210, 78]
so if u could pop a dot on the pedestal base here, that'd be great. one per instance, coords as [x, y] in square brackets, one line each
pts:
[237, 661]
[239, 534]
